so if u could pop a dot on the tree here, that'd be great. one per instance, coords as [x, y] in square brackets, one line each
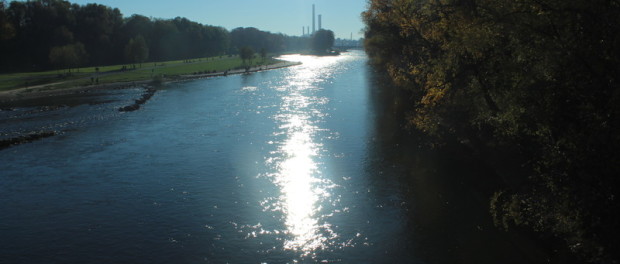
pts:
[97, 27]
[257, 40]
[30, 29]
[34, 24]
[537, 77]
[7, 31]
[68, 56]
[247, 54]
[322, 41]
[263, 54]
[136, 50]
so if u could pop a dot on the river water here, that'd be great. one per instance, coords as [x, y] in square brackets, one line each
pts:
[307, 164]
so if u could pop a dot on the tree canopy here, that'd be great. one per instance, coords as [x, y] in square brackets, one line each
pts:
[323, 41]
[137, 51]
[68, 56]
[247, 54]
[257, 40]
[539, 77]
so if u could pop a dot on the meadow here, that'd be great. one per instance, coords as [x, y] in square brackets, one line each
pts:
[66, 78]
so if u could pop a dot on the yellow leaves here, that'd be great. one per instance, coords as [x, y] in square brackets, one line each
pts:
[379, 11]
[524, 71]
[415, 70]
[7, 31]
[398, 75]
[427, 115]
[425, 120]
[437, 36]
[433, 96]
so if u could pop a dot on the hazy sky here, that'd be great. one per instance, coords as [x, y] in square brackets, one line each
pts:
[277, 16]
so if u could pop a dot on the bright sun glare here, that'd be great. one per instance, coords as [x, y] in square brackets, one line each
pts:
[298, 174]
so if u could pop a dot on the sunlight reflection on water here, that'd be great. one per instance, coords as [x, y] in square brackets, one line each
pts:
[297, 171]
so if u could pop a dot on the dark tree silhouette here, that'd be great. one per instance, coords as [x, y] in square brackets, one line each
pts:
[247, 54]
[68, 56]
[137, 51]
[263, 54]
[536, 80]
[322, 41]
[30, 29]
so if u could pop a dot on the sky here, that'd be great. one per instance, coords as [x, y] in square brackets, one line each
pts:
[277, 16]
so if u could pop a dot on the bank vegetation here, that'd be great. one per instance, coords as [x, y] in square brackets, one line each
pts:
[536, 80]
[43, 35]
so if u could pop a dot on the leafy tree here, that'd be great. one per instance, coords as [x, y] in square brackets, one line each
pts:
[137, 25]
[263, 54]
[62, 36]
[256, 39]
[537, 77]
[137, 50]
[7, 31]
[247, 54]
[165, 41]
[68, 56]
[293, 43]
[322, 41]
[98, 26]
[35, 23]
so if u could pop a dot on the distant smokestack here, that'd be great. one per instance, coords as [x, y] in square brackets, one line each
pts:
[303, 31]
[313, 20]
[320, 16]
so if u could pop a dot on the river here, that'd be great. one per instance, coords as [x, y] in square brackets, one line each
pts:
[307, 164]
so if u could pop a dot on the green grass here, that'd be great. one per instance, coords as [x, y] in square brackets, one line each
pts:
[111, 74]
[18, 80]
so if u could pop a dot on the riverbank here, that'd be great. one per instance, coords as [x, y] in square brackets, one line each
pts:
[41, 91]
[168, 170]
[14, 98]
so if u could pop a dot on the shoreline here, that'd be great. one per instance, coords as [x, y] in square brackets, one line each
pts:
[14, 97]
[27, 93]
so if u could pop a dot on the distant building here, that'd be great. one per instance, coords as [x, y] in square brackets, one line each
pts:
[349, 43]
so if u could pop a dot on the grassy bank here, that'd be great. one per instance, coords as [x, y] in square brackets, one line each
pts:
[60, 79]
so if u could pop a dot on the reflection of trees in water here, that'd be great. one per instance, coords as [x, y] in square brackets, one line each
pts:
[444, 190]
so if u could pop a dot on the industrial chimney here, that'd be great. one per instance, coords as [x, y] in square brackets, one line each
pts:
[313, 20]
[320, 16]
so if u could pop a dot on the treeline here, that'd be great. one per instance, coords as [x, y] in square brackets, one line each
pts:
[54, 34]
[536, 78]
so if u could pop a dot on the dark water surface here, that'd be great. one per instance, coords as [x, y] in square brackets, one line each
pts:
[298, 165]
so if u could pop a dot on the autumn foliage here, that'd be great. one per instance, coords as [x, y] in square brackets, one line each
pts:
[538, 77]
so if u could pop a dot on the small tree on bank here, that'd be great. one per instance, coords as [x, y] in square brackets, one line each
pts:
[263, 54]
[136, 50]
[246, 53]
[68, 56]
